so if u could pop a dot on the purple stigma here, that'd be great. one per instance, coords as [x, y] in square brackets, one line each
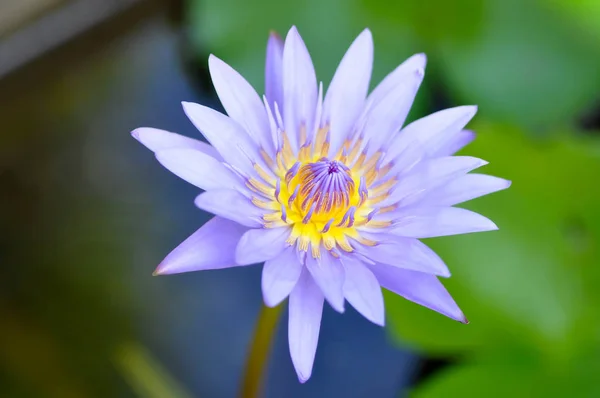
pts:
[309, 214]
[348, 217]
[327, 226]
[326, 183]
[291, 173]
[293, 196]
[277, 190]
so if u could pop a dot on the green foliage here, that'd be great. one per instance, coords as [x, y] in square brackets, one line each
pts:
[532, 282]
[529, 289]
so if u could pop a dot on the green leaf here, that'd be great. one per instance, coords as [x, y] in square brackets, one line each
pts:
[525, 282]
[237, 32]
[516, 371]
[526, 66]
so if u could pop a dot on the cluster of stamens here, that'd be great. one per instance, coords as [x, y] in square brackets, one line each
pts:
[322, 197]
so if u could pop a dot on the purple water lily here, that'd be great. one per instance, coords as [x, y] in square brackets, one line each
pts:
[332, 194]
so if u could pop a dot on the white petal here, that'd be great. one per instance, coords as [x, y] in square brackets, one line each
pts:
[210, 247]
[274, 70]
[299, 87]
[229, 138]
[241, 102]
[199, 169]
[329, 276]
[156, 140]
[389, 104]
[279, 276]
[304, 324]
[232, 205]
[430, 174]
[464, 188]
[418, 287]
[407, 253]
[348, 89]
[258, 245]
[454, 143]
[432, 133]
[362, 290]
[430, 222]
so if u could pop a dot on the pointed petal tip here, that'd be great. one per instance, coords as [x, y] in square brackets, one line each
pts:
[273, 34]
[470, 110]
[136, 134]
[378, 322]
[445, 274]
[367, 34]
[302, 378]
[292, 32]
[422, 58]
[159, 270]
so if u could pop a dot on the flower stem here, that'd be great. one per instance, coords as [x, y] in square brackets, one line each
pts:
[260, 349]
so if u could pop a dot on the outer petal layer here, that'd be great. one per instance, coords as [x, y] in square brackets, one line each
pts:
[156, 140]
[274, 71]
[348, 89]
[258, 245]
[241, 102]
[389, 104]
[231, 205]
[229, 138]
[198, 169]
[210, 247]
[435, 134]
[406, 253]
[420, 288]
[431, 174]
[430, 222]
[362, 290]
[328, 273]
[304, 324]
[299, 87]
[463, 189]
[279, 276]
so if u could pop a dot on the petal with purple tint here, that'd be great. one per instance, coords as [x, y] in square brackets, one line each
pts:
[457, 142]
[304, 324]
[431, 222]
[199, 169]
[348, 89]
[362, 290]
[274, 71]
[259, 245]
[157, 140]
[434, 133]
[430, 174]
[328, 273]
[299, 87]
[210, 247]
[418, 287]
[229, 138]
[401, 252]
[389, 104]
[232, 205]
[279, 276]
[463, 189]
[241, 102]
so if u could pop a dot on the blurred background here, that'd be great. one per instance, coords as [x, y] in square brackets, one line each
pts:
[87, 213]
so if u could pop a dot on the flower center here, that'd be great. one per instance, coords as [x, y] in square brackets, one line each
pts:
[324, 186]
[323, 197]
